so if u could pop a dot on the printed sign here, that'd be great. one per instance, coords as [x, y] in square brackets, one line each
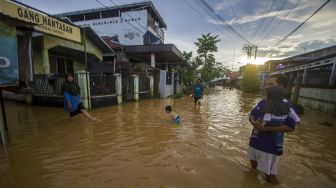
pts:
[42, 22]
[128, 29]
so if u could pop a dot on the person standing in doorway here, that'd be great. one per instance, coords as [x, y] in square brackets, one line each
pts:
[198, 92]
[72, 103]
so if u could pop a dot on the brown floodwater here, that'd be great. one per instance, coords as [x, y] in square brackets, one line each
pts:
[133, 145]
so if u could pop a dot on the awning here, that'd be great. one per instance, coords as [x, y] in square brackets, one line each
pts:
[164, 54]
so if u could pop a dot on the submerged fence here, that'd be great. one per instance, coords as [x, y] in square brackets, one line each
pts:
[144, 84]
[102, 84]
[45, 84]
[318, 99]
[51, 85]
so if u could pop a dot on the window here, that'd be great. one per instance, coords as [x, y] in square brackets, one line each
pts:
[69, 66]
[76, 18]
[168, 78]
[61, 65]
[110, 13]
[92, 16]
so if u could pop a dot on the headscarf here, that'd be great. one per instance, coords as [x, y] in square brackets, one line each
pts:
[274, 102]
[70, 87]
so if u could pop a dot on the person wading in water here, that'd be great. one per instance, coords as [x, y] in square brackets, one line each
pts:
[72, 103]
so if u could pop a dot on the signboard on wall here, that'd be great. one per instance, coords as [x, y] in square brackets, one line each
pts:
[8, 56]
[42, 22]
[127, 29]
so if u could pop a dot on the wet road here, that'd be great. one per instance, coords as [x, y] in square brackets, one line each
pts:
[133, 145]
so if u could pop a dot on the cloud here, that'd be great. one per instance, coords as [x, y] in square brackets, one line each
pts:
[315, 44]
[291, 49]
[280, 15]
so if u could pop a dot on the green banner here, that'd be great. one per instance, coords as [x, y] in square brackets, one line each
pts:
[8, 56]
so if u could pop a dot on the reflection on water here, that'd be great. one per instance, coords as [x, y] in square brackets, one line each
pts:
[133, 145]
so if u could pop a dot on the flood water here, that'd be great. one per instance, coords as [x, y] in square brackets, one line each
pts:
[133, 145]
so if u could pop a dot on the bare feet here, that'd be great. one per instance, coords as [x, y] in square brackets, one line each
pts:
[93, 119]
[272, 179]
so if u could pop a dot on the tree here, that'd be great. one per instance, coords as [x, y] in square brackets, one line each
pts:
[187, 74]
[250, 80]
[206, 45]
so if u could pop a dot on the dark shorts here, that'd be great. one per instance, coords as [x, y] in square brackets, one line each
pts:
[197, 99]
[78, 111]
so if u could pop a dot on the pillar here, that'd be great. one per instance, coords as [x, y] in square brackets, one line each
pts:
[333, 73]
[84, 84]
[2, 132]
[296, 89]
[151, 85]
[3, 121]
[118, 88]
[45, 61]
[172, 82]
[136, 87]
[152, 59]
[304, 78]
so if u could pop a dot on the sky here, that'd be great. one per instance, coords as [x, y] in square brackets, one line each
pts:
[262, 22]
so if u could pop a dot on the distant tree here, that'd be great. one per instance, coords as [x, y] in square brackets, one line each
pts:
[206, 45]
[187, 73]
[250, 82]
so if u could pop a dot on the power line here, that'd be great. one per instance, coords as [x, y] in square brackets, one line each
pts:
[121, 24]
[101, 3]
[263, 20]
[220, 29]
[235, 15]
[290, 33]
[269, 23]
[276, 26]
[198, 12]
[128, 15]
[207, 6]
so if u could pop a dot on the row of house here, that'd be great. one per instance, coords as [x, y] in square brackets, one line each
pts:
[117, 54]
[312, 77]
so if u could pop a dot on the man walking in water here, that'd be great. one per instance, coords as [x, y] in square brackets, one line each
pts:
[198, 91]
[262, 150]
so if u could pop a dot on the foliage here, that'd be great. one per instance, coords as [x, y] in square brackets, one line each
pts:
[187, 74]
[205, 60]
[206, 45]
[250, 81]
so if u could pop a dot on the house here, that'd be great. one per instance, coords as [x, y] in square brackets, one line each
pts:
[136, 30]
[43, 48]
[311, 76]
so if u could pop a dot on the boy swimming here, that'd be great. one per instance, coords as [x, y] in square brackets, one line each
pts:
[174, 118]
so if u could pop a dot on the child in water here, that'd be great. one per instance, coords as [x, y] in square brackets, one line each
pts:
[174, 118]
[275, 113]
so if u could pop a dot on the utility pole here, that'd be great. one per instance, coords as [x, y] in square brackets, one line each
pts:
[255, 53]
[234, 53]
[249, 49]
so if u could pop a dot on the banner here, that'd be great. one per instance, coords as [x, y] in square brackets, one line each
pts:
[8, 56]
[42, 22]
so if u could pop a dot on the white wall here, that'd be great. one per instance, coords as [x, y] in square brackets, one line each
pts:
[128, 32]
[164, 89]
